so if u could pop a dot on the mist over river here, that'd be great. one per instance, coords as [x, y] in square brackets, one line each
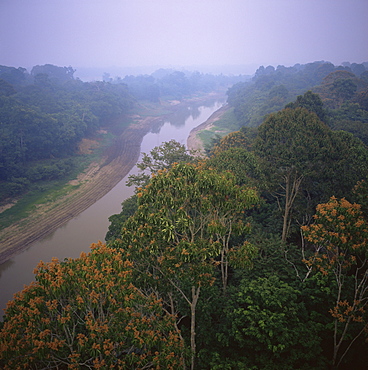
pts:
[91, 225]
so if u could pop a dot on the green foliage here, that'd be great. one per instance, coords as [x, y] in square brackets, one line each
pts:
[143, 87]
[6, 88]
[344, 88]
[47, 119]
[272, 88]
[236, 139]
[302, 156]
[129, 207]
[351, 118]
[14, 76]
[181, 236]
[360, 196]
[160, 158]
[291, 144]
[56, 74]
[177, 270]
[187, 205]
[242, 163]
[339, 87]
[312, 102]
[292, 138]
[269, 322]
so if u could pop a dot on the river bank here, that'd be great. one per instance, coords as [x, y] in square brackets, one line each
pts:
[89, 187]
[194, 143]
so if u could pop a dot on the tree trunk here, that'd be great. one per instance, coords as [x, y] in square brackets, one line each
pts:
[292, 186]
[224, 271]
[195, 296]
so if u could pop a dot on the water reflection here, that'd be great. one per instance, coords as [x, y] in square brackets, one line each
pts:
[5, 266]
[180, 116]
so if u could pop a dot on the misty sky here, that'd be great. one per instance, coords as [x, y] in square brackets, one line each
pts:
[103, 33]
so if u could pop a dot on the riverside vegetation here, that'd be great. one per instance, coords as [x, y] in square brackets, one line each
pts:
[65, 143]
[253, 257]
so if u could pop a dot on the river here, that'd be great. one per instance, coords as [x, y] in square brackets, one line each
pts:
[91, 225]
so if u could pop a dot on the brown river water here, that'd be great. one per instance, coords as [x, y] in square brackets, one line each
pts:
[91, 225]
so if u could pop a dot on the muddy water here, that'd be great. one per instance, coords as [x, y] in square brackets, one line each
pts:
[92, 224]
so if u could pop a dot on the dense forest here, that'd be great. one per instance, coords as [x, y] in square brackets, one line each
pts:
[254, 257]
[44, 115]
[271, 89]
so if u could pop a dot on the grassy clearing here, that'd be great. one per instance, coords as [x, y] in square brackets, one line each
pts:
[221, 127]
[47, 192]
[227, 122]
[41, 193]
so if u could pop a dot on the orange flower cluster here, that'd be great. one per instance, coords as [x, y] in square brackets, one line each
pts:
[339, 231]
[80, 312]
[340, 239]
[344, 310]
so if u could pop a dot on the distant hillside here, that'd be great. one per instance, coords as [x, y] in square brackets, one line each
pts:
[272, 88]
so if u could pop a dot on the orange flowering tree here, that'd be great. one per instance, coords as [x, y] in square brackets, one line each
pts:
[339, 236]
[86, 313]
[182, 230]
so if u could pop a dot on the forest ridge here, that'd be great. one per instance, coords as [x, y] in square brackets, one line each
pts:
[46, 113]
[254, 257]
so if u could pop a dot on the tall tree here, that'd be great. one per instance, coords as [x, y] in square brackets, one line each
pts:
[292, 144]
[241, 162]
[312, 102]
[159, 158]
[183, 228]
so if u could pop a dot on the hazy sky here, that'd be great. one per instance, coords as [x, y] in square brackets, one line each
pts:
[103, 33]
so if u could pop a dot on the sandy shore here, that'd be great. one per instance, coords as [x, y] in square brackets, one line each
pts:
[194, 142]
[97, 181]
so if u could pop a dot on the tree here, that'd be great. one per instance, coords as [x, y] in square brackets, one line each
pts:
[160, 157]
[344, 88]
[362, 98]
[346, 164]
[46, 120]
[6, 88]
[175, 85]
[312, 102]
[86, 313]
[236, 139]
[360, 196]
[337, 87]
[241, 162]
[269, 326]
[15, 76]
[186, 219]
[339, 236]
[292, 144]
[55, 73]
[129, 207]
